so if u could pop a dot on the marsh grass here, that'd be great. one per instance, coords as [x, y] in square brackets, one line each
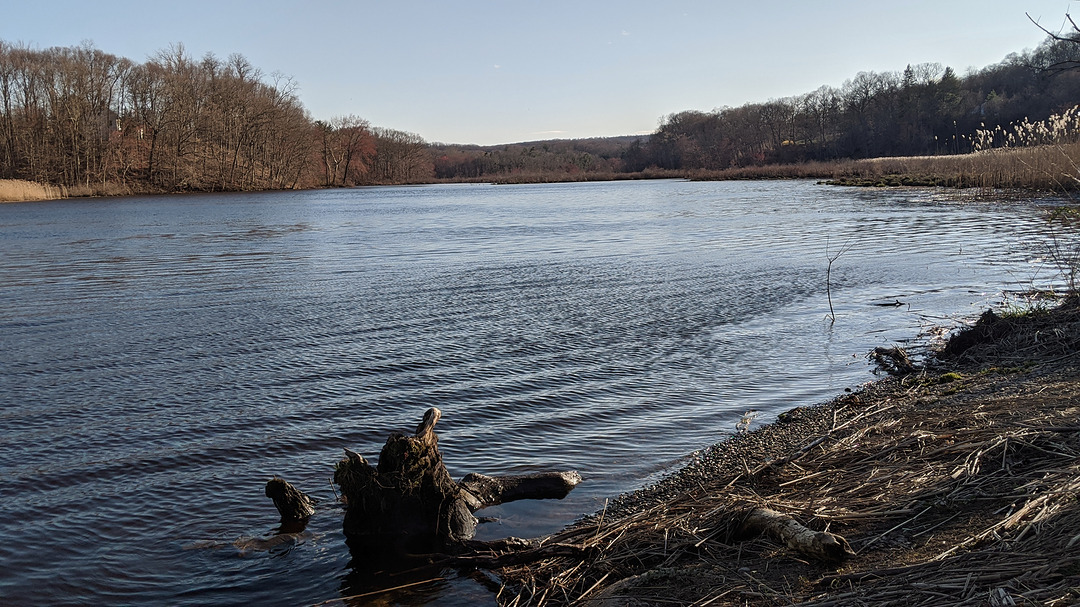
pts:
[1045, 168]
[92, 189]
[17, 190]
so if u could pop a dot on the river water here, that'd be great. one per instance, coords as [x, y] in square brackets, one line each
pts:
[162, 357]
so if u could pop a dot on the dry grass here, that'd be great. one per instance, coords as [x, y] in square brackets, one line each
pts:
[17, 190]
[1042, 156]
[93, 189]
[957, 486]
[1050, 168]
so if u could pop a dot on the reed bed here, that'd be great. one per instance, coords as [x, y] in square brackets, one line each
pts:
[1042, 155]
[1047, 168]
[17, 190]
[958, 485]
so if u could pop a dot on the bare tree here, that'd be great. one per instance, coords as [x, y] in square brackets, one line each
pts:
[401, 157]
[1071, 38]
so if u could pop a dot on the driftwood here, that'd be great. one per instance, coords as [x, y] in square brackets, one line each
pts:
[480, 491]
[408, 501]
[818, 545]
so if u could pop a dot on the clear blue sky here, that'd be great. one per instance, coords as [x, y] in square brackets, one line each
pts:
[498, 72]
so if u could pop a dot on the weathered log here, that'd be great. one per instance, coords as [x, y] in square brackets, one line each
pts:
[819, 545]
[409, 494]
[482, 491]
[291, 503]
[409, 501]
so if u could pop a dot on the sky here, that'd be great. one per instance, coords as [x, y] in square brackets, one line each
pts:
[490, 72]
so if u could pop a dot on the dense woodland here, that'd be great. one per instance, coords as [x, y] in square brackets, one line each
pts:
[92, 122]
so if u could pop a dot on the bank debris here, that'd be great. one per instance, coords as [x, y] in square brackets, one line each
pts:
[955, 484]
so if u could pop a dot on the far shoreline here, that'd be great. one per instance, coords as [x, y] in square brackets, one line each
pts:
[1037, 170]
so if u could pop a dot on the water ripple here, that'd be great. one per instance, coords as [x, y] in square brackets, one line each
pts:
[162, 357]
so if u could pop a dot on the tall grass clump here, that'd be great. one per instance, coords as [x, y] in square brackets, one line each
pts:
[1043, 154]
[1047, 149]
[17, 190]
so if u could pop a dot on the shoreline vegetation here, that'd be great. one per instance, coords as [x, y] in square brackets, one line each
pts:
[1041, 156]
[1052, 168]
[1049, 168]
[957, 483]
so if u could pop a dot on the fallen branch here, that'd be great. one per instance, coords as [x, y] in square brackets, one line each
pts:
[513, 556]
[894, 361]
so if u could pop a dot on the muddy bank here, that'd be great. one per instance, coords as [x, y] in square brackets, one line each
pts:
[958, 484]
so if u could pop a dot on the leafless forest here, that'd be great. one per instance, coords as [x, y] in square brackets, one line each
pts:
[94, 123]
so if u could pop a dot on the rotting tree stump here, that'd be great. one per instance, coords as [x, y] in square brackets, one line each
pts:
[407, 507]
[409, 502]
[292, 504]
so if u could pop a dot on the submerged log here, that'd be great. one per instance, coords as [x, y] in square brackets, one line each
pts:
[409, 501]
[481, 491]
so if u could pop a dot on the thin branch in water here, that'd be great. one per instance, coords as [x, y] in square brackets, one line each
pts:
[828, 272]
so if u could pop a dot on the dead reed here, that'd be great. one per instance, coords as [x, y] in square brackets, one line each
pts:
[958, 485]
[17, 190]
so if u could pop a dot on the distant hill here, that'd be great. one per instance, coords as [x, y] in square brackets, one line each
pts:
[567, 157]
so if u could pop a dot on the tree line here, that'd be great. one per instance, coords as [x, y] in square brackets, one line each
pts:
[95, 122]
[568, 158]
[926, 109]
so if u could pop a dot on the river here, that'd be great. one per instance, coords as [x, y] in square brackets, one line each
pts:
[162, 357]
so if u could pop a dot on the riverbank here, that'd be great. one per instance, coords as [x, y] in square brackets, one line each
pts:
[19, 190]
[958, 484]
[1041, 168]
